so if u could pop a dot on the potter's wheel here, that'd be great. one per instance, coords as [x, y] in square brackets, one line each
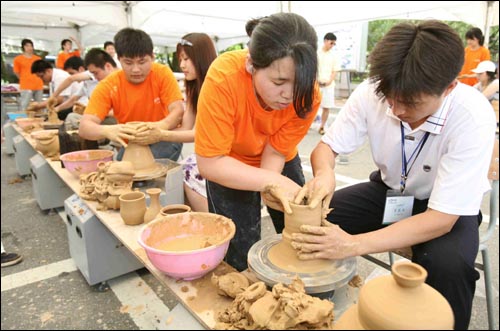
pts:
[336, 274]
[158, 170]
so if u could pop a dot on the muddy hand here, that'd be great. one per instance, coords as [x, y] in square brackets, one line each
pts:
[275, 193]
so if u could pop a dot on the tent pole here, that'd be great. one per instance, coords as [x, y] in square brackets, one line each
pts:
[488, 20]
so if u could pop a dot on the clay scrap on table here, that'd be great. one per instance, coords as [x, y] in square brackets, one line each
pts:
[286, 307]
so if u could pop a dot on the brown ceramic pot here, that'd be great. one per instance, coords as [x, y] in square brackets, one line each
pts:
[401, 301]
[133, 207]
[174, 209]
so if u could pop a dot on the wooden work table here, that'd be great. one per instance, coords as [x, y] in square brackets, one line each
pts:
[198, 296]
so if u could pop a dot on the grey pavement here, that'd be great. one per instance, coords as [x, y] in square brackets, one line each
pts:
[46, 290]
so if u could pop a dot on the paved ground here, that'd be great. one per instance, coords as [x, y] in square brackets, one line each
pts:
[47, 291]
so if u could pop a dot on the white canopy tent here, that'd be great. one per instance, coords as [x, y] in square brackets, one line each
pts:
[94, 22]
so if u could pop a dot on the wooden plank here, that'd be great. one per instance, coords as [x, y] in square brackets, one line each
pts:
[198, 296]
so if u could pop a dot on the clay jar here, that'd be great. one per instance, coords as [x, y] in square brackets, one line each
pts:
[141, 157]
[47, 142]
[398, 302]
[301, 215]
[154, 204]
[174, 209]
[133, 207]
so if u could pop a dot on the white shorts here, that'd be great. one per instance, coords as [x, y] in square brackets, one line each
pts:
[192, 177]
[328, 96]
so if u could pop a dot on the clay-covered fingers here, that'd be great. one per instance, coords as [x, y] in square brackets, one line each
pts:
[303, 193]
[275, 193]
[306, 248]
[311, 256]
[316, 197]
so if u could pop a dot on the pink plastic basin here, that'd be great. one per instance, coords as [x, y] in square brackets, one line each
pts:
[84, 162]
[189, 232]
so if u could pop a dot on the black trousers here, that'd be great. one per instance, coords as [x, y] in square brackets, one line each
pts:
[243, 207]
[449, 259]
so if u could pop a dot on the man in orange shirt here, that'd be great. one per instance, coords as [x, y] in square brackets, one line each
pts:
[143, 91]
[254, 108]
[66, 53]
[31, 86]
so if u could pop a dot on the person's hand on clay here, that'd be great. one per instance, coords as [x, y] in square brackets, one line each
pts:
[148, 133]
[276, 198]
[79, 108]
[328, 241]
[118, 133]
[318, 190]
[51, 103]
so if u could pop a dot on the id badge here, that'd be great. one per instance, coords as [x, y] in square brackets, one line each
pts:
[397, 206]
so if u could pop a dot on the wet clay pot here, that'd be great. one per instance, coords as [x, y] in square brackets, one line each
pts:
[401, 301]
[301, 215]
[174, 209]
[141, 157]
[133, 207]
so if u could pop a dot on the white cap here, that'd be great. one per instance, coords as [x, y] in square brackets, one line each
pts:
[485, 66]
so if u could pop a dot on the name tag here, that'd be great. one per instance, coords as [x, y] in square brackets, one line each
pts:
[397, 207]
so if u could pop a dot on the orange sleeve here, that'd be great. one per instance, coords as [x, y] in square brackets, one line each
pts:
[17, 65]
[169, 88]
[214, 130]
[100, 101]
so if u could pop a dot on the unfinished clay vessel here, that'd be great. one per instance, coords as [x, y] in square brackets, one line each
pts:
[133, 207]
[174, 209]
[401, 301]
[47, 142]
[154, 204]
[301, 215]
[141, 157]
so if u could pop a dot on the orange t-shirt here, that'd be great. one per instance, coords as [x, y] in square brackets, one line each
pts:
[62, 57]
[22, 67]
[146, 102]
[230, 120]
[472, 59]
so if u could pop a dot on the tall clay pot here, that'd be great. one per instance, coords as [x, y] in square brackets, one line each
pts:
[398, 302]
[154, 204]
[301, 215]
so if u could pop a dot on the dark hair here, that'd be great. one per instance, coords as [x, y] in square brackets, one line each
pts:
[202, 53]
[330, 36]
[133, 43]
[251, 24]
[492, 75]
[108, 43]
[64, 41]
[26, 41]
[288, 34]
[74, 62]
[475, 33]
[40, 66]
[99, 58]
[416, 59]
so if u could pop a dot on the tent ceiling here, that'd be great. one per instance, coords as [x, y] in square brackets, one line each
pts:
[166, 21]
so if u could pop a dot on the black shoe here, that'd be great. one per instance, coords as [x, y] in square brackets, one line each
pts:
[9, 259]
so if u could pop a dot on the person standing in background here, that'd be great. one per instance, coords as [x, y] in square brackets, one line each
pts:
[327, 69]
[475, 53]
[66, 53]
[109, 47]
[31, 85]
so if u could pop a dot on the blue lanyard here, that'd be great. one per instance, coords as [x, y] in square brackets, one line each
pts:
[404, 167]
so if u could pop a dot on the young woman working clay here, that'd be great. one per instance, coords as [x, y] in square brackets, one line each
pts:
[255, 107]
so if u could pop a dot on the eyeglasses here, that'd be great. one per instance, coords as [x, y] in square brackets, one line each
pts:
[184, 42]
